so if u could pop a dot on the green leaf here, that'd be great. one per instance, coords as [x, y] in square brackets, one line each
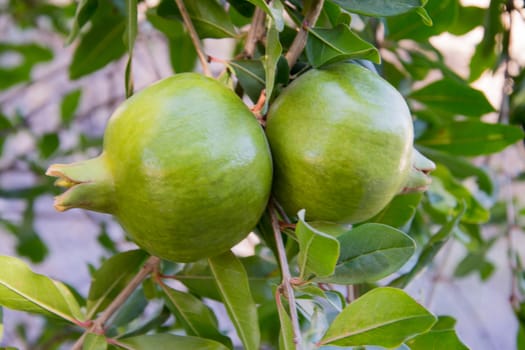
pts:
[430, 250]
[441, 336]
[170, 341]
[1, 324]
[85, 9]
[69, 105]
[274, 10]
[399, 211]
[111, 278]
[251, 75]
[461, 168]
[208, 17]
[196, 318]
[318, 251]
[326, 46]
[101, 45]
[472, 138]
[22, 289]
[452, 96]
[380, 8]
[469, 17]
[383, 317]
[475, 262]
[442, 14]
[232, 282]
[183, 55]
[30, 55]
[129, 40]
[270, 60]
[286, 338]
[370, 252]
[446, 196]
[95, 342]
[48, 144]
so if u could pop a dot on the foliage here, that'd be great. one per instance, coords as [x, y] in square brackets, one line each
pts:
[318, 285]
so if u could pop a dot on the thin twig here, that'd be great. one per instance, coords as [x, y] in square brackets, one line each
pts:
[98, 325]
[255, 32]
[286, 276]
[299, 41]
[194, 37]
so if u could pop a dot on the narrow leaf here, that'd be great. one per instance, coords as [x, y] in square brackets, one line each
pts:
[232, 282]
[196, 318]
[452, 96]
[69, 105]
[48, 144]
[461, 168]
[430, 250]
[170, 341]
[472, 138]
[273, 52]
[95, 342]
[442, 336]
[383, 317]
[251, 75]
[129, 39]
[112, 277]
[380, 8]
[399, 211]
[370, 252]
[286, 338]
[85, 9]
[101, 45]
[326, 46]
[318, 251]
[22, 289]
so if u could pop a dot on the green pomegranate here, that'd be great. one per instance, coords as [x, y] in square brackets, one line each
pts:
[341, 138]
[186, 169]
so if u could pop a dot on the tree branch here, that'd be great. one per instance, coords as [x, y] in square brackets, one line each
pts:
[98, 325]
[286, 277]
[194, 37]
[255, 32]
[299, 41]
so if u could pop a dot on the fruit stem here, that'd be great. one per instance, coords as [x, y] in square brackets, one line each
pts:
[89, 185]
[194, 37]
[286, 283]
[299, 41]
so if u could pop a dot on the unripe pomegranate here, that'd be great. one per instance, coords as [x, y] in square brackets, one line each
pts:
[341, 138]
[186, 169]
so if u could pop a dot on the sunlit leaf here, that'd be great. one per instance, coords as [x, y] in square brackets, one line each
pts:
[196, 318]
[318, 251]
[170, 341]
[451, 96]
[336, 44]
[232, 282]
[441, 336]
[380, 8]
[95, 342]
[472, 138]
[275, 10]
[22, 289]
[396, 318]
[370, 252]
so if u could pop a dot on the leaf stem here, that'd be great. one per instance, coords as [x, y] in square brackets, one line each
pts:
[286, 276]
[194, 37]
[299, 41]
[98, 325]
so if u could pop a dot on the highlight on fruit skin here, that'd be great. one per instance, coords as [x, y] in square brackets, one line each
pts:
[341, 139]
[186, 169]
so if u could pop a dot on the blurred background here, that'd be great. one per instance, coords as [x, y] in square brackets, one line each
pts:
[52, 111]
